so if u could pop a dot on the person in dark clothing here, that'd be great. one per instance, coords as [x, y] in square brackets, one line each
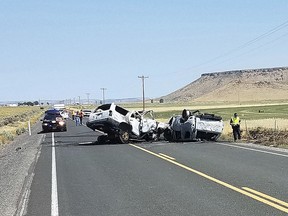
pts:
[81, 116]
[77, 118]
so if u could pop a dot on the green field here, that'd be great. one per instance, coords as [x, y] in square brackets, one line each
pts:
[265, 124]
[246, 111]
[273, 116]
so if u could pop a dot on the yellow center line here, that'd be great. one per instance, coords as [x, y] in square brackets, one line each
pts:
[266, 196]
[164, 155]
[267, 202]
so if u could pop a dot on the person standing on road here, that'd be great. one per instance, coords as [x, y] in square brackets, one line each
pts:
[73, 115]
[235, 124]
[77, 118]
[81, 116]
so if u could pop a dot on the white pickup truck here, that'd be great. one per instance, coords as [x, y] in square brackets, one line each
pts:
[194, 126]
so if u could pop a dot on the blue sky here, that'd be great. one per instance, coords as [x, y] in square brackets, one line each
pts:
[65, 49]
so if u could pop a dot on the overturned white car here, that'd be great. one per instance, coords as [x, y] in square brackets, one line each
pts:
[194, 126]
[122, 125]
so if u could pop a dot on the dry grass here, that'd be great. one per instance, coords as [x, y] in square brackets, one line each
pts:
[14, 121]
[12, 111]
[275, 124]
[269, 132]
[269, 137]
[272, 123]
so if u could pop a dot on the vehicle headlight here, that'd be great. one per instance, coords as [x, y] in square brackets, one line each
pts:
[53, 121]
[45, 124]
[61, 123]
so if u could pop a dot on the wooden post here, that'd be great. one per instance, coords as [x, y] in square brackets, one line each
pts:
[29, 127]
[247, 132]
[274, 135]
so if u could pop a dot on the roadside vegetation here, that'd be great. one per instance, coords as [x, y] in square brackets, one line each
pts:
[265, 124]
[14, 121]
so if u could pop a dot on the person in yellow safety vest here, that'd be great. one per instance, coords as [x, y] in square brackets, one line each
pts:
[73, 115]
[235, 123]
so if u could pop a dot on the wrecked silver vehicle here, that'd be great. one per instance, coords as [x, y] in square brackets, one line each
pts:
[122, 125]
[194, 126]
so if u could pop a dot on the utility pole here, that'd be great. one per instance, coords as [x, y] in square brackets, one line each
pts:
[103, 95]
[88, 97]
[143, 89]
[79, 99]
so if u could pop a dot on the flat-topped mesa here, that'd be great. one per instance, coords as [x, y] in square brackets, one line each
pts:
[238, 72]
[250, 84]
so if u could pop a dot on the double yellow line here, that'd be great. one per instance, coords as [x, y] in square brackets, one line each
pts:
[261, 197]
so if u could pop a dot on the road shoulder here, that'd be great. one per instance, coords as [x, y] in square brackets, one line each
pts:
[17, 162]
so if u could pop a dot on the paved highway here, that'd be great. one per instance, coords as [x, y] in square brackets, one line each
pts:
[76, 176]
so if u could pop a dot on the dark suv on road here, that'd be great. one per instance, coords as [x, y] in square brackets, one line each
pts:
[53, 121]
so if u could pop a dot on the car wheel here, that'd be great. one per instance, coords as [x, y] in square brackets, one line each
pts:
[124, 136]
[168, 135]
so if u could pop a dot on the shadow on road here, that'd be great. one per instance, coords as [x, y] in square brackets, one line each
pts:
[52, 131]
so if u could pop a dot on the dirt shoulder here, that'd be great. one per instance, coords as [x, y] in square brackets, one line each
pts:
[17, 161]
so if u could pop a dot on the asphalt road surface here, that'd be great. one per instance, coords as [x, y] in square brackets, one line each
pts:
[76, 176]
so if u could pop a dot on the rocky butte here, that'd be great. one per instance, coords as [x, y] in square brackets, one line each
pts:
[266, 84]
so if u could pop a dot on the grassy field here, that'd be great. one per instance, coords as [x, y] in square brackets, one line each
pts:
[271, 116]
[14, 121]
[246, 111]
[265, 118]
[268, 114]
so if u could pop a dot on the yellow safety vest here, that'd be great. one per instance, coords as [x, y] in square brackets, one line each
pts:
[235, 121]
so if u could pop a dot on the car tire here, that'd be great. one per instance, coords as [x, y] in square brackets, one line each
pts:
[62, 129]
[168, 135]
[124, 136]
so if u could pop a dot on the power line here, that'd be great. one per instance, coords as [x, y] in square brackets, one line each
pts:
[266, 34]
[251, 50]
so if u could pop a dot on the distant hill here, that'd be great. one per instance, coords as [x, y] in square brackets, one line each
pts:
[238, 85]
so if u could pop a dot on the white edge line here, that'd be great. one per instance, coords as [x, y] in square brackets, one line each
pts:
[250, 149]
[54, 192]
[26, 195]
